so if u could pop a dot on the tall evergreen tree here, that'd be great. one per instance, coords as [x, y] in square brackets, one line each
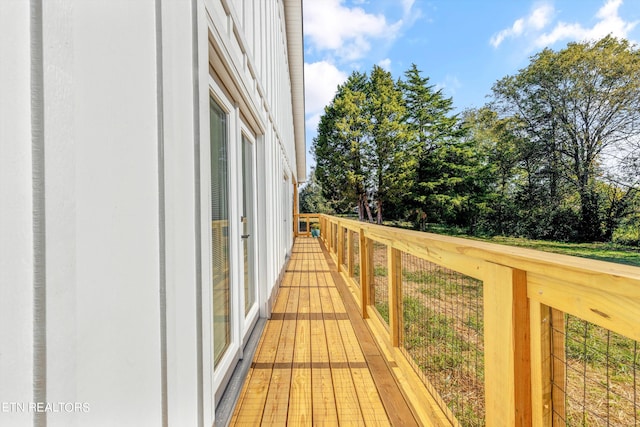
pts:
[429, 114]
[389, 159]
[354, 127]
[446, 187]
[338, 147]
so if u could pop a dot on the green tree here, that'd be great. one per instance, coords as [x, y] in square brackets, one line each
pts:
[495, 141]
[311, 197]
[353, 127]
[448, 185]
[338, 147]
[390, 161]
[578, 104]
[434, 132]
[429, 115]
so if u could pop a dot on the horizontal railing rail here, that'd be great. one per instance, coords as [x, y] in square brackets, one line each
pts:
[548, 334]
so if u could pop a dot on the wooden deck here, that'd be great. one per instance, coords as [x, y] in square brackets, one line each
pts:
[317, 363]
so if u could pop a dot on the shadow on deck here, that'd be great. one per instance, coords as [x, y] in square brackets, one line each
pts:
[317, 363]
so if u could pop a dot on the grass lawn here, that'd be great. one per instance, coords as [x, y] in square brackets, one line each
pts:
[602, 251]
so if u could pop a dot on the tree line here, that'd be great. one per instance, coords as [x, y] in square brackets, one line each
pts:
[555, 154]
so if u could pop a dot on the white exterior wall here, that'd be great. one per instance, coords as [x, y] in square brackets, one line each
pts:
[115, 233]
[16, 224]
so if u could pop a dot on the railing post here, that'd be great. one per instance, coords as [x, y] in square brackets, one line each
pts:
[331, 243]
[370, 267]
[350, 252]
[325, 232]
[394, 276]
[540, 364]
[364, 274]
[340, 246]
[308, 230]
[507, 347]
[559, 367]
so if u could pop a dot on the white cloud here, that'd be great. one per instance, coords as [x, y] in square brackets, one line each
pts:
[321, 81]
[410, 14]
[346, 32]
[539, 18]
[311, 123]
[562, 31]
[609, 22]
[407, 5]
[385, 63]
[515, 30]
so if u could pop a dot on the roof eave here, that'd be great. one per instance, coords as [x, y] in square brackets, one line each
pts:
[295, 47]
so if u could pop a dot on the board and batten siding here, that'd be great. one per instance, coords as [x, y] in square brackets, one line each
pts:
[105, 239]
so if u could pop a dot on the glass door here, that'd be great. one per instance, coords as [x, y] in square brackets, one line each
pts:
[220, 232]
[248, 232]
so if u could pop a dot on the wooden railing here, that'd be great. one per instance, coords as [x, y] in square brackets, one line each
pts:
[526, 299]
[302, 223]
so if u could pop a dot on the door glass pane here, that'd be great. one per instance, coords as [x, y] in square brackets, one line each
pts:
[247, 220]
[220, 232]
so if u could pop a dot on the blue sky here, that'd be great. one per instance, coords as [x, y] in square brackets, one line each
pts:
[463, 46]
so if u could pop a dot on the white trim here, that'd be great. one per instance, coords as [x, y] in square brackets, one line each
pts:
[262, 276]
[221, 374]
[208, 406]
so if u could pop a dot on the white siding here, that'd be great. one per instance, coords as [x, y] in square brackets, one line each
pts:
[102, 211]
[16, 254]
[179, 108]
[126, 117]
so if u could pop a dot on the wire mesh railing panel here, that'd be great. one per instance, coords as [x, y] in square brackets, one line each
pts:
[355, 239]
[302, 226]
[595, 379]
[334, 237]
[443, 335]
[380, 280]
[345, 249]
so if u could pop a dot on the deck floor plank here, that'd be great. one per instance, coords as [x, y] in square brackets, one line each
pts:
[300, 409]
[311, 367]
[324, 406]
[277, 403]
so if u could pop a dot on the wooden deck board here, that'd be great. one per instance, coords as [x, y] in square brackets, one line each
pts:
[311, 366]
[300, 412]
[324, 406]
